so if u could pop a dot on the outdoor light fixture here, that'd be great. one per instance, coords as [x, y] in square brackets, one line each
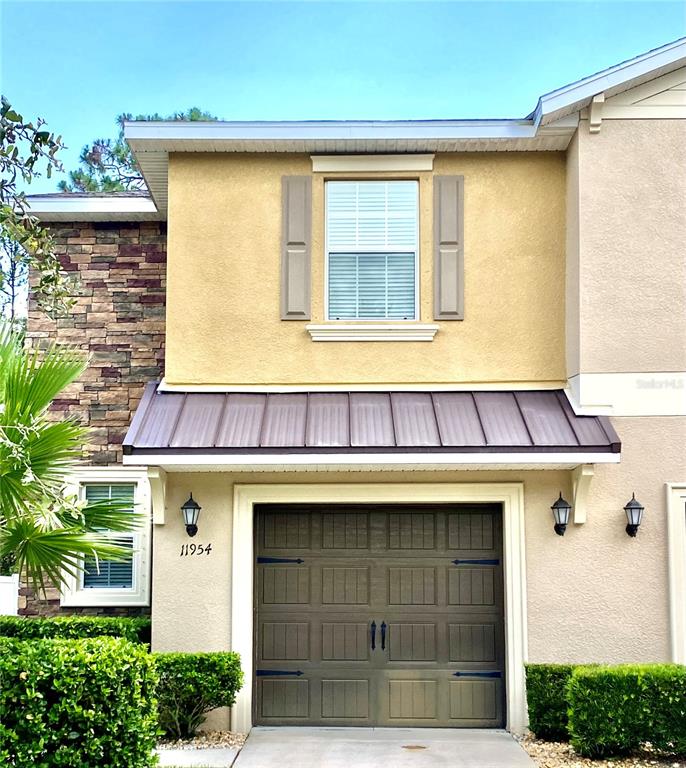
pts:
[191, 511]
[634, 515]
[561, 510]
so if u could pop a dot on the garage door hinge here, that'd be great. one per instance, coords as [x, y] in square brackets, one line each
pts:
[278, 672]
[477, 674]
[476, 562]
[267, 560]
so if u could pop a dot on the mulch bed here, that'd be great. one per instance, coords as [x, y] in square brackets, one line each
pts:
[553, 754]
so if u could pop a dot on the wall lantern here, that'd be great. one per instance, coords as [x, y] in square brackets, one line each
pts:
[191, 511]
[561, 510]
[634, 515]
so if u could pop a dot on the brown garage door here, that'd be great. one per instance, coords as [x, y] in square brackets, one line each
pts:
[379, 616]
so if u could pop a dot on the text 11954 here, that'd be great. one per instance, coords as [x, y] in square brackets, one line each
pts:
[187, 550]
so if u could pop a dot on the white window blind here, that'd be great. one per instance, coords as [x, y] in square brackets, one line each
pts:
[372, 249]
[109, 574]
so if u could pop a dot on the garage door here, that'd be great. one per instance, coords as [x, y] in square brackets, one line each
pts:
[379, 616]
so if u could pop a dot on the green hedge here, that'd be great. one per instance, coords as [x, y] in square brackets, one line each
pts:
[191, 684]
[612, 710]
[77, 704]
[136, 629]
[546, 695]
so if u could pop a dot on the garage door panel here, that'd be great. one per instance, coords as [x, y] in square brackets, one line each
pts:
[284, 699]
[472, 641]
[285, 641]
[412, 530]
[472, 586]
[286, 585]
[286, 530]
[475, 700]
[345, 530]
[472, 531]
[345, 586]
[345, 699]
[411, 586]
[412, 699]
[411, 642]
[345, 641]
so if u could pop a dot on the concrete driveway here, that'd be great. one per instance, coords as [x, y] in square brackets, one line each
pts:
[380, 748]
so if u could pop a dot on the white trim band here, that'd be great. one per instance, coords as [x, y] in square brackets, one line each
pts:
[629, 394]
[372, 163]
[373, 332]
[263, 462]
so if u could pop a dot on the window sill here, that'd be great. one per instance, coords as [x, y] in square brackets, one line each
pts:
[373, 332]
[104, 598]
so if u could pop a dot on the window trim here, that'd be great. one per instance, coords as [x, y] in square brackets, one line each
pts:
[73, 593]
[378, 320]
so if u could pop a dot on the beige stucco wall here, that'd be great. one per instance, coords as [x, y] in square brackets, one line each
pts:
[223, 323]
[593, 595]
[630, 246]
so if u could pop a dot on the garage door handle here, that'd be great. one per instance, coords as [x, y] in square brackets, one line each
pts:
[383, 635]
[373, 634]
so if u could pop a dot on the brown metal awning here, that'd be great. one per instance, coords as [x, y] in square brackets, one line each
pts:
[253, 423]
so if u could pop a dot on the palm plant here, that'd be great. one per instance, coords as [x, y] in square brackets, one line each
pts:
[47, 531]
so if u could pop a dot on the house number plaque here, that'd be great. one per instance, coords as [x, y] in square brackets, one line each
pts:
[188, 550]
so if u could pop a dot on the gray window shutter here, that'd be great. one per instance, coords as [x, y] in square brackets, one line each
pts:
[295, 249]
[448, 247]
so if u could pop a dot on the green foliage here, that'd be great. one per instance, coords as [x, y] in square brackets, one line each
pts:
[77, 704]
[612, 710]
[135, 629]
[26, 147]
[191, 684]
[47, 531]
[546, 695]
[109, 165]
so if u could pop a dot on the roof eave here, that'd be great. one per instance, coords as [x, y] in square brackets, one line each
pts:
[622, 77]
[55, 208]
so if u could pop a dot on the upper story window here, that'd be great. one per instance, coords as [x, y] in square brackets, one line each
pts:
[372, 250]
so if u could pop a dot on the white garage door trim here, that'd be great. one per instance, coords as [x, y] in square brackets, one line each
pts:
[510, 495]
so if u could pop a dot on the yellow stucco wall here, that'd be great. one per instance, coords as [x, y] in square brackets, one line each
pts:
[223, 323]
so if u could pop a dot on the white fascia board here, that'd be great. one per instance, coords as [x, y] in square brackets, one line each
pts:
[318, 461]
[47, 207]
[143, 135]
[610, 81]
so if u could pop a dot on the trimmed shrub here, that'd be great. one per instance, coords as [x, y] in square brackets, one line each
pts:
[135, 629]
[77, 704]
[546, 696]
[612, 710]
[192, 684]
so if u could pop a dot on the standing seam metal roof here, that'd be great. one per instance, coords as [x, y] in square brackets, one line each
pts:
[521, 421]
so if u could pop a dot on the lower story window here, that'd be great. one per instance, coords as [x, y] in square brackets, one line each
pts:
[110, 574]
[104, 582]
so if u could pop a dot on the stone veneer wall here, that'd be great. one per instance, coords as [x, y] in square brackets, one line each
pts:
[118, 320]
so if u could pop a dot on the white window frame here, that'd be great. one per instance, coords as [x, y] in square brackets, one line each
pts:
[73, 593]
[676, 534]
[327, 315]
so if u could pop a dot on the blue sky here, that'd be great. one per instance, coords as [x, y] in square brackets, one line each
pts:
[93, 59]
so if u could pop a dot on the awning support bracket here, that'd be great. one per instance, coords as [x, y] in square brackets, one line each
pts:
[581, 483]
